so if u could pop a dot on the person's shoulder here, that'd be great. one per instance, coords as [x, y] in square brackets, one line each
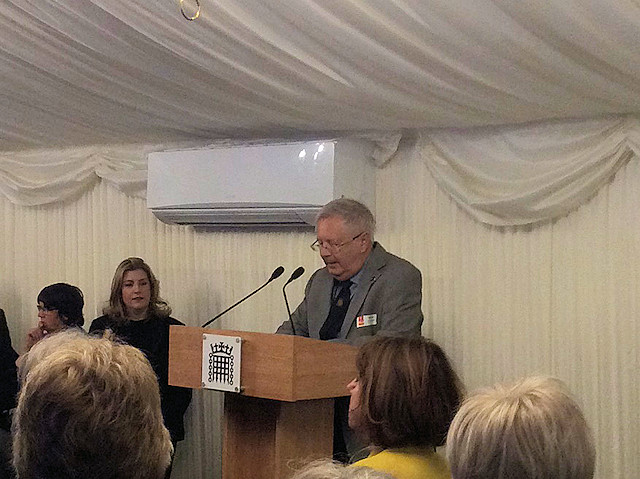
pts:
[173, 321]
[319, 274]
[99, 324]
[375, 460]
[408, 463]
[165, 320]
[383, 257]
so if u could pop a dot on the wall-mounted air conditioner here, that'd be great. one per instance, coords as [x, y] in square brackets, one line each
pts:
[258, 185]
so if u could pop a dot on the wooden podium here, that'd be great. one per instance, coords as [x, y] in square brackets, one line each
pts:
[284, 414]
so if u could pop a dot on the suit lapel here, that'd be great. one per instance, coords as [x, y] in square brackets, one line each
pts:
[370, 274]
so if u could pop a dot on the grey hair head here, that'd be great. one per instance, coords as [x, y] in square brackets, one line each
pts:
[353, 213]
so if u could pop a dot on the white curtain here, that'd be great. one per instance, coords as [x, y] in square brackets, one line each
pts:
[82, 241]
[512, 175]
[559, 298]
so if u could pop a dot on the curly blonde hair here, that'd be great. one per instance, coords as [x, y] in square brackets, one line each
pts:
[89, 408]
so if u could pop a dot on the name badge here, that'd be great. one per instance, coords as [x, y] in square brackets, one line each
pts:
[366, 320]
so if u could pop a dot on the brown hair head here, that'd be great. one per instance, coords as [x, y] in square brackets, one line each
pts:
[409, 392]
[116, 309]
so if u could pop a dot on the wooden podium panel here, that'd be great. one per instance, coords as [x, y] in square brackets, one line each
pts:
[263, 438]
[284, 415]
[274, 366]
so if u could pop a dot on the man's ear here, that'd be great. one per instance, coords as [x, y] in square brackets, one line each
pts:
[64, 319]
[364, 242]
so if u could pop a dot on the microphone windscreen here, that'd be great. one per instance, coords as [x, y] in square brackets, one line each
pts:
[277, 273]
[297, 273]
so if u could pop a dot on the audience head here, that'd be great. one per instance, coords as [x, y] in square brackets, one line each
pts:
[344, 230]
[406, 393]
[88, 408]
[532, 429]
[328, 469]
[60, 306]
[134, 291]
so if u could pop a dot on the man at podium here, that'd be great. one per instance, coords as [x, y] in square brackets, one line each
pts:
[362, 291]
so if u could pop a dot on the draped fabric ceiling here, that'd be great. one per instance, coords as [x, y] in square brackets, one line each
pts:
[82, 78]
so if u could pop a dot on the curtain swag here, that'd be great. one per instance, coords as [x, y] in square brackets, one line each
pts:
[521, 175]
[512, 175]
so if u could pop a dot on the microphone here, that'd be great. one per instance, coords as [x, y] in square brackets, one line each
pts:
[276, 274]
[295, 275]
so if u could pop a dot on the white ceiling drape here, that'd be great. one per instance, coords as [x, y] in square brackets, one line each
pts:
[80, 73]
[87, 72]
[501, 176]
[38, 177]
[527, 174]
[44, 176]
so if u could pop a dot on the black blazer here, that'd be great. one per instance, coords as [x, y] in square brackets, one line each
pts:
[8, 372]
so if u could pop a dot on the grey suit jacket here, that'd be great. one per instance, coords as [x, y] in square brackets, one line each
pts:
[389, 288]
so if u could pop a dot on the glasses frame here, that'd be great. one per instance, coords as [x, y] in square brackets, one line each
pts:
[334, 248]
[45, 309]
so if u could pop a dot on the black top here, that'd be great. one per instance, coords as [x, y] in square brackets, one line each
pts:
[8, 372]
[151, 336]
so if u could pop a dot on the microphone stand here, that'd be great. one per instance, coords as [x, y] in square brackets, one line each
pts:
[295, 275]
[293, 328]
[276, 274]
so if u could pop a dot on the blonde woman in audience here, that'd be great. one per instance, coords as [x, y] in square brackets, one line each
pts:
[88, 408]
[328, 469]
[402, 403]
[531, 429]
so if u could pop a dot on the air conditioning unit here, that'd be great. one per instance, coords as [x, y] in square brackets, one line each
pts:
[266, 185]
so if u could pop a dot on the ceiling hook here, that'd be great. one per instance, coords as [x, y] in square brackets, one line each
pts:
[188, 17]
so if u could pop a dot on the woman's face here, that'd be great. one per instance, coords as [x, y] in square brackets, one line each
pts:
[355, 418]
[49, 320]
[136, 293]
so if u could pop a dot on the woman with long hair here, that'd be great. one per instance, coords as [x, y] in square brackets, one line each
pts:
[138, 316]
[402, 402]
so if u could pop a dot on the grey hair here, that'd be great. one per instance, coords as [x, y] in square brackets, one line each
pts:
[531, 429]
[352, 212]
[328, 469]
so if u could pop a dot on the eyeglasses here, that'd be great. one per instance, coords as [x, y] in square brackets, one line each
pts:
[317, 245]
[45, 309]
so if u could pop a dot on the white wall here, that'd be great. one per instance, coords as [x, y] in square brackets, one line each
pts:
[561, 298]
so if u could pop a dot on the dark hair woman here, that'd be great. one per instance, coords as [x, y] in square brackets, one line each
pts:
[59, 307]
